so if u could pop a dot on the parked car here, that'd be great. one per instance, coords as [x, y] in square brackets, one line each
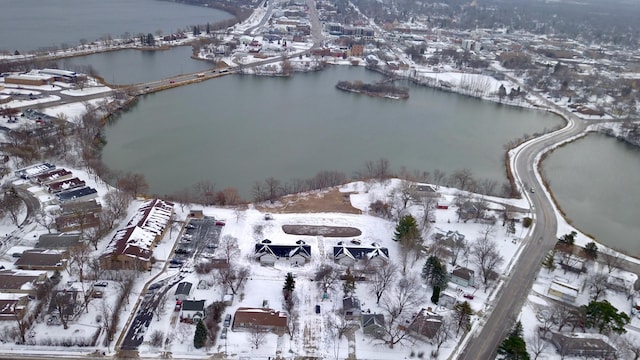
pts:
[181, 251]
[176, 262]
[101, 284]
[317, 309]
[178, 306]
[468, 296]
[220, 223]
[227, 321]
[223, 333]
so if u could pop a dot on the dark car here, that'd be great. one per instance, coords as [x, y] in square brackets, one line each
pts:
[176, 262]
[101, 284]
[317, 309]
[180, 251]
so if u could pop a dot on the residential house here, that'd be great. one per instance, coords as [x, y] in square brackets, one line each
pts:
[193, 310]
[372, 324]
[583, 345]
[77, 195]
[58, 241]
[42, 259]
[183, 290]
[618, 284]
[562, 289]
[447, 300]
[33, 170]
[85, 207]
[78, 221]
[22, 281]
[349, 255]
[65, 184]
[263, 318]
[52, 176]
[13, 306]
[462, 276]
[132, 246]
[425, 324]
[268, 253]
[351, 308]
[424, 190]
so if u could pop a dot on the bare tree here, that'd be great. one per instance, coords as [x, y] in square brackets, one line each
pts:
[537, 344]
[631, 346]
[597, 286]
[118, 202]
[257, 336]
[326, 277]
[442, 334]
[156, 338]
[438, 177]
[11, 205]
[397, 305]
[428, 214]
[292, 323]
[45, 219]
[487, 257]
[383, 278]
[610, 258]
[233, 277]
[463, 179]
[79, 257]
[205, 191]
[133, 184]
[229, 248]
[563, 315]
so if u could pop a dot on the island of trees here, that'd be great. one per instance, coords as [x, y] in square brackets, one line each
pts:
[376, 89]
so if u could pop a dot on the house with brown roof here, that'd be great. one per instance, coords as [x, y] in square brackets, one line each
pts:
[583, 345]
[246, 318]
[425, 324]
[52, 176]
[132, 246]
[21, 281]
[58, 241]
[65, 184]
[13, 306]
[42, 259]
[462, 276]
[73, 222]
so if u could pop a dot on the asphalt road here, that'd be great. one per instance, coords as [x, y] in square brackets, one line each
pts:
[508, 303]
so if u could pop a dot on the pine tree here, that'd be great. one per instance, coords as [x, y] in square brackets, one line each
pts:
[549, 261]
[208, 28]
[514, 347]
[200, 337]
[435, 273]
[406, 230]
[511, 227]
[591, 249]
[435, 297]
[462, 314]
[349, 286]
[289, 282]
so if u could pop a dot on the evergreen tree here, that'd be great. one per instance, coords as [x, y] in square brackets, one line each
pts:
[514, 347]
[406, 230]
[605, 317]
[435, 273]
[511, 227]
[549, 261]
[591, 249]
[200, 337]
[569, 238]
[289, 282]
[435, 297]
[462, 313]
[349, 285]
[208, 28]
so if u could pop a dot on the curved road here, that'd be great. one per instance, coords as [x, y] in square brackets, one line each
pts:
[510, 299]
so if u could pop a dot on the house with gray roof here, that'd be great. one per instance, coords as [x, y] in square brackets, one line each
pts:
[268, 253]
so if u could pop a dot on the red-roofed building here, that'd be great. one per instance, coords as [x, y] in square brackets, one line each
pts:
[132, 247]
[262, 318]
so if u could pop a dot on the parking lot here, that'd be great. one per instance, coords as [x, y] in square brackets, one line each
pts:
[198, 241]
